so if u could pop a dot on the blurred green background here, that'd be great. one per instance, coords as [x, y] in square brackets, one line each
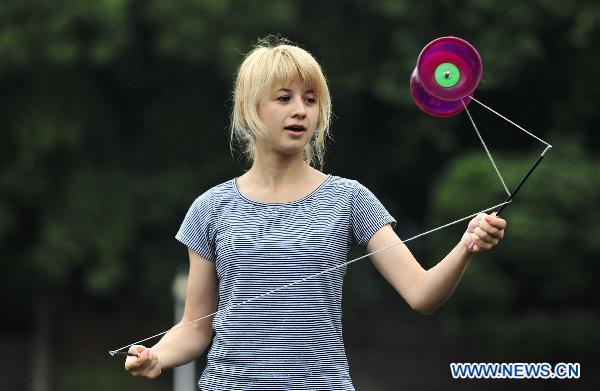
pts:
[114, 118]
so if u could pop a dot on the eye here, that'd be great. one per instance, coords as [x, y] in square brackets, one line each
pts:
[311, 100]
[284, 98]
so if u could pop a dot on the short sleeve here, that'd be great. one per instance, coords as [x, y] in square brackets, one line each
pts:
[368, 215]
[197, 228]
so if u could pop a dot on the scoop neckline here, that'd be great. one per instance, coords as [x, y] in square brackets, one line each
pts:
[309, 195]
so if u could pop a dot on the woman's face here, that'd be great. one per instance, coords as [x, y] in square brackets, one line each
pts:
[290, 113]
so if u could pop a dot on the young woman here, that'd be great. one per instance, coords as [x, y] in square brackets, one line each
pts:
[283, 221]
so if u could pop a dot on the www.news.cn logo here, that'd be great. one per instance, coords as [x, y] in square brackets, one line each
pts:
[542, 370]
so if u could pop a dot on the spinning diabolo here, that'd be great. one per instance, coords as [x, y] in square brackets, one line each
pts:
[448, 71]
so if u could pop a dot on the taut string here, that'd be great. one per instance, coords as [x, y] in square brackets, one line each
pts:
[501, 205]
[113, 352]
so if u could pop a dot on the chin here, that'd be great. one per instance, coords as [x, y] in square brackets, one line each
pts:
[291, 151]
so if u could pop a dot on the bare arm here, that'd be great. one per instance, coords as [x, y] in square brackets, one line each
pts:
[426, 290]
[184, 344]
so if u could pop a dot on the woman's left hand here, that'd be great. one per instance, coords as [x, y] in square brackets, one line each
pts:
[484, 232]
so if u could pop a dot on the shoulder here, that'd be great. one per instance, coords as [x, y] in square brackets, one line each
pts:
[216, 194]
[346, 185]
[357, 193]
[343, 191]
[343, 182]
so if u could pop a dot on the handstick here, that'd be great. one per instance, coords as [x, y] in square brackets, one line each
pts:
[511, 196]
[113, 354]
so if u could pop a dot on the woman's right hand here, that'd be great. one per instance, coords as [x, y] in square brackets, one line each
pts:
[146, 364]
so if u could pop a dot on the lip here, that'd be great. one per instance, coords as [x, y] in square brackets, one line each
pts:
[295, 127]
[295, 130]
[295, 134]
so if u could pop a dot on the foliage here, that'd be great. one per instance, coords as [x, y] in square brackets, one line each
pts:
[539, 285]
[115, 113]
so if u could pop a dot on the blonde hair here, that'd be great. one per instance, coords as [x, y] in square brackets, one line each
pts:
[276, 60]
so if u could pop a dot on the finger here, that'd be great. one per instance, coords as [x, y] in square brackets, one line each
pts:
[489, 229]
[497, 222]
[473, 247]
[486, 237]
[151, 357]
[133, 364]
[470, 229]
[483, 244]
[130, 361]
[147, 361]
[477, 220]
[474, 223]
[475, 243]
[136, 349]
[152, 369]
[466, 239]
[144, 357]
[492, 230]
[137, 364]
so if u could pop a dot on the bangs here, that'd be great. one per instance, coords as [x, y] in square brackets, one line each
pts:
[269, 65]
[288, 63]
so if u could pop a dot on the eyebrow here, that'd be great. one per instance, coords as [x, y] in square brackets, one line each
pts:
[311, 91]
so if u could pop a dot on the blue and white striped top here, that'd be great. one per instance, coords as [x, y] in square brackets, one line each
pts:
[291, 339]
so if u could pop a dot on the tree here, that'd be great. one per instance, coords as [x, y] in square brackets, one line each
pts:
[534, 296]
[114, 115]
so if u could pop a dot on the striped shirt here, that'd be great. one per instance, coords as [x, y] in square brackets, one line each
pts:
[290, 339]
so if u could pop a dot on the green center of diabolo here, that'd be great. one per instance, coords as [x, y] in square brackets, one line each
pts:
[447, 75]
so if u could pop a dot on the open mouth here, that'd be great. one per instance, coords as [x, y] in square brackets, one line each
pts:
[295, 128]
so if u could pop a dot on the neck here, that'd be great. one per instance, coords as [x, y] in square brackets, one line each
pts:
[275, 171]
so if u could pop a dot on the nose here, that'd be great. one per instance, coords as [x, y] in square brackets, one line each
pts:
[299, 108]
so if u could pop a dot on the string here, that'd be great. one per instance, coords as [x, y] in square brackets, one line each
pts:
[511, 122]
[548, 146]
[112, 352]
[486, 148]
